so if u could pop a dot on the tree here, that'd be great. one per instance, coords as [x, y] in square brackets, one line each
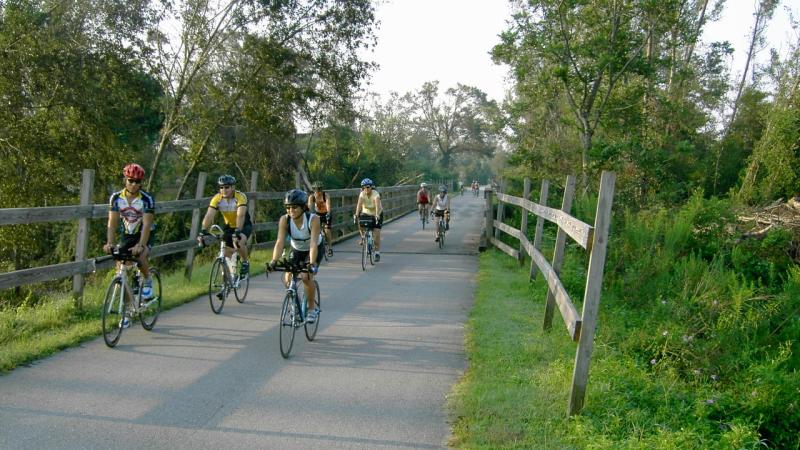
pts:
[463, 122]
[582, 49]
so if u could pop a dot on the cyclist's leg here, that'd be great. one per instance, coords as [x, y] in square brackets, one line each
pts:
[227, 236]
[377, 233]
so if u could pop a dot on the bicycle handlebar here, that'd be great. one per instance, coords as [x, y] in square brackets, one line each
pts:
[286, 266]
[119, 255]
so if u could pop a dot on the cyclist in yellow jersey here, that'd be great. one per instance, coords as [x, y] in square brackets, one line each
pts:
[233, 206]
[369, 208]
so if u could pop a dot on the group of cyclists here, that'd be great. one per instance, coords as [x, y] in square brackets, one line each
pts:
[439, 206]
[307, 219]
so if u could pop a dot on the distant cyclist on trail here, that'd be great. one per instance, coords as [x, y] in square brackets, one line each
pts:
[303, 229]
[136, 209]
[441, 210]
[233, 206]
[423, 199]
[369, 208]
[320, 203]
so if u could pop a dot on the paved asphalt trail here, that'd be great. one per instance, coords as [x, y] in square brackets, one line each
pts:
[388, 350]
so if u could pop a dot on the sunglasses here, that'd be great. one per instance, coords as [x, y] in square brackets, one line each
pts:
[226, 186]
[134, 181]
[288, 207]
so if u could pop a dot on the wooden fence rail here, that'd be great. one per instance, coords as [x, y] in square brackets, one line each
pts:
[581, 327]
[397, 201]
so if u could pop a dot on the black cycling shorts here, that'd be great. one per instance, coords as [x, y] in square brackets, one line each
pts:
[129, 241]
[325, 219]
[298, 257]
[371, 220]
[228, 233]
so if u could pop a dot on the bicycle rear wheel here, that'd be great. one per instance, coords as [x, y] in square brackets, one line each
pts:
[149, 311]
[325, 246]
[217, 285]
[113, 312]
[424, 219]
[287, 328]
[311, 328]
[241, 287]
[441, 234]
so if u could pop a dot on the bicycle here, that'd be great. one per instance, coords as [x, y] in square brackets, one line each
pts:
[423, 217]
[328, 253]
[224, 276]
[295, 307]
[441, 229]
[124, 302]
[367, 244]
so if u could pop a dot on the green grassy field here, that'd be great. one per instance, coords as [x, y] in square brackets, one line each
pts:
[516, 389]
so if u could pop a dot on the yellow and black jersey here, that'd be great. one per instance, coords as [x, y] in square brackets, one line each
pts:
[229, 206]
[132, 211]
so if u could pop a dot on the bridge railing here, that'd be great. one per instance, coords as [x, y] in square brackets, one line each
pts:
[396, 200]
[581, 327]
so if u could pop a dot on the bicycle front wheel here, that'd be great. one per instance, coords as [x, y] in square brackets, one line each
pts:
[218, 285]
[441, 235]
[364, 253]
[311, 328]
[113, 312]
[151, 308]
[287, 328]
[241, 287]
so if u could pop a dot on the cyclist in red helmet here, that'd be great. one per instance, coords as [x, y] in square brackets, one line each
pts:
[136, 208]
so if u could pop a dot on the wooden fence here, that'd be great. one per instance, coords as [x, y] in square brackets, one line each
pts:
[397, 201]
[594, 239]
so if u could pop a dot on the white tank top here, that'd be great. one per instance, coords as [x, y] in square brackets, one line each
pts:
[301, 237]
[441, 202]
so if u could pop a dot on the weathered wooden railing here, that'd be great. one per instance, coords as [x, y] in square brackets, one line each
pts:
[397, 201]
[581, 327]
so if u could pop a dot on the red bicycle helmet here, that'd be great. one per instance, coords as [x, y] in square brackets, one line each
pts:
[133, 171]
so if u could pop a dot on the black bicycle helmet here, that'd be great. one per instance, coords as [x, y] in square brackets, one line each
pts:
[443, 189]
[367, 182]
[295, 197]
[225, 180]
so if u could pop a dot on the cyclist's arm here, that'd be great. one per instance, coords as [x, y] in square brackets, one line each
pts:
[312, 254]
[378, 207]
[447, 207]
[277, 251]
[209, 218]
[111, 231]
[328, 203]
[241, 215]
[147, 224]
[359, 205]
[310, 203]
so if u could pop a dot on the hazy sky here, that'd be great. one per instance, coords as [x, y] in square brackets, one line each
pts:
[449, 41]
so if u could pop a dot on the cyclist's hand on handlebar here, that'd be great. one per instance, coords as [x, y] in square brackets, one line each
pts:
[271, 265]
[108, 248]
[313, 269]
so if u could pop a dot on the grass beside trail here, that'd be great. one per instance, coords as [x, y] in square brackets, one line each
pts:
[28, 333]
[516, 389]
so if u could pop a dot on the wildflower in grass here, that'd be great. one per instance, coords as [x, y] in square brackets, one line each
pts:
[710, 401]
[715, 377]
[653, 361]
[665, 333]
[696, 371]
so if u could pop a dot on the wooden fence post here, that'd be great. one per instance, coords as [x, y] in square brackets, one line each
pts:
[558, 252]
[500, 210]
[591, 297]
[523, 228]
[198, 194]
[487, 228]
[537, 237]
[82, 238]
[251, 207]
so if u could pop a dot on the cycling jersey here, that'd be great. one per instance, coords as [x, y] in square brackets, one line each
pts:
[132, 211]
[320, 204]
[369, 203]
[229, 206]
[301, 237]
[440, 202]
[422, 196]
